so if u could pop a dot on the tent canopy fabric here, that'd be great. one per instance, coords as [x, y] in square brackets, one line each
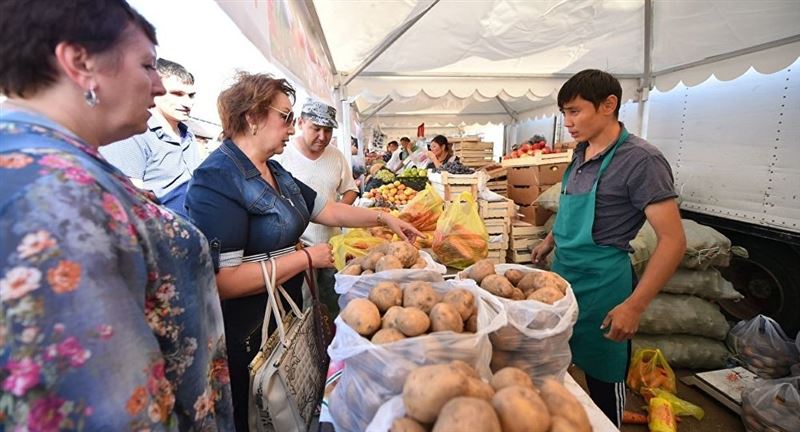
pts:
[463, 57]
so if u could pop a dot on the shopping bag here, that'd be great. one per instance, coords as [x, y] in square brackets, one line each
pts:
[772, 405]
[460, 238]
[763, 347]
[424, 209]
[660, 416]
[680, 407]
[352, 244]
[649, 369]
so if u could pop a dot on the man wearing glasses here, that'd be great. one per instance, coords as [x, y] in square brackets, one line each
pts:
[163, 158]
[310, 159]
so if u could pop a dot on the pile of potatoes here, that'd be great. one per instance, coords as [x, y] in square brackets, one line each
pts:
[394, 312]
[452, 397]
[544, 286]
[388, 256]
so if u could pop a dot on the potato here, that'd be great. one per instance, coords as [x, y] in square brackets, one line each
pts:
[405, 252]
[546, 295]
[500, 360]
[507, 338]
[535, 280]
[387, 335]
[462, 300]
[480, 270]
[520, 409]
[389, 319]
[480, 389]
[465, 368]
[371, 260]
[385, 295]
[467, 414]
[388, 262]
[471, 325]
[517, 294]
[445, 317]
[497, 285]
[420, 295]
[514, 276]
[428, 388]
[367, 272]
[412, 321]
[421, 262]
[363, 316]
[406, 424]
[351, 270]
[511, 376]
[561, 403]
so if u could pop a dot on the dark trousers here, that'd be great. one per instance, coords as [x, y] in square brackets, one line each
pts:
[609, 397]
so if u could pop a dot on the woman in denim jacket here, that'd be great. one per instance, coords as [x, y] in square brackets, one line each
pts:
[251, 208]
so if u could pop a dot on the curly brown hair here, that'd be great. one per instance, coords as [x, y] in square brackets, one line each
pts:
[251, 94]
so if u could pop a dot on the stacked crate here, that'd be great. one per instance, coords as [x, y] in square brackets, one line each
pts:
[471, 151]
[497, 216]
[523, 237]
[498, 182]
[449, 186]
[529, 176]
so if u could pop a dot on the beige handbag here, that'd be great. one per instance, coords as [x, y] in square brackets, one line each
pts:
[286, 380]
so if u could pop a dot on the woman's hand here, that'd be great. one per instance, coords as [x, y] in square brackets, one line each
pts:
[403, 229]
[321, 255]
[433, 158]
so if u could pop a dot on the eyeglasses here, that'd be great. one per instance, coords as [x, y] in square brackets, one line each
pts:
[288, 117]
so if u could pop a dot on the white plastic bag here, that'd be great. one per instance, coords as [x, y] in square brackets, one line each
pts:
[763, 347]
[392, 409]
[772, 405]
[536, 338]
[549, 199]
[374, 373]
[345, 282]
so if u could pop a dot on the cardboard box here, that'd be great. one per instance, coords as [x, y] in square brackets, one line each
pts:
[536, 175]
[525, 195]
[534, 214]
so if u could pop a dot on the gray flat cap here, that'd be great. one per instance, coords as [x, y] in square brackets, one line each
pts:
[319, 113]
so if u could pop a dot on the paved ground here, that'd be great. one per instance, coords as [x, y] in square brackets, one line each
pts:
[717, 418]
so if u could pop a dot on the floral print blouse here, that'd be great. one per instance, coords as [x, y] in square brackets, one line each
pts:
[109, 316]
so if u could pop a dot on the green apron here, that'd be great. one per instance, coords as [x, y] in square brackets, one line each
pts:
[601, 277]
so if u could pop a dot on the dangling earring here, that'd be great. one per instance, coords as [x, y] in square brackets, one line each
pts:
[253, 129]
[90, 97]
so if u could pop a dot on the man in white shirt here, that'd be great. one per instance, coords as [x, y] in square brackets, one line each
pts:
[311, 159]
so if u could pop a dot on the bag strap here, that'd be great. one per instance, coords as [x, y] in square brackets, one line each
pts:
[312, 283]
[272, 306]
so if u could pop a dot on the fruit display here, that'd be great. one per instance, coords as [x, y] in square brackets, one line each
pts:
[385, 175]
[453, 396]
[414, 172]
[394, 193]
[393, 312]
[455, 167]
[528, 150]
[388, 256]
[543, 286]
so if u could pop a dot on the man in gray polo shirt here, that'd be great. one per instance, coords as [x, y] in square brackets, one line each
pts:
[164, 157]
[614, 183]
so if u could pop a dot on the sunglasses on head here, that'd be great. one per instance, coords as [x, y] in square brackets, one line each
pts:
[288, 117]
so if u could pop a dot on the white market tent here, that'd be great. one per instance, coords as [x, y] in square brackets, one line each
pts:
[399, 63]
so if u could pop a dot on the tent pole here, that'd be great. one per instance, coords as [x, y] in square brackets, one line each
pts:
[387, 42]
[647, 75]
[375, 109]
[511, 113]
[343, 135]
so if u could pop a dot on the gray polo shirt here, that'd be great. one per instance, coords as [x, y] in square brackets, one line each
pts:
[636, 177]
[156, 157]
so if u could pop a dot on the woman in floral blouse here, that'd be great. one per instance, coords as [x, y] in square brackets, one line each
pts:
[109, 316]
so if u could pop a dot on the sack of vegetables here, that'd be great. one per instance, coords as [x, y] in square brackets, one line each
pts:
[772, 405]
[460, 239]
[763, 347]
[391, 326]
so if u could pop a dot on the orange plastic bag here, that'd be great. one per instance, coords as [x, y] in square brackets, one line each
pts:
[352, 244]
[424, 209]
[460, 238]
[660, 416]
[649, 369]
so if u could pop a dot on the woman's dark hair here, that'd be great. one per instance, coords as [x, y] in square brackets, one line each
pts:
[592, 85]
[442, 141]
[30, 30]
[250, 94]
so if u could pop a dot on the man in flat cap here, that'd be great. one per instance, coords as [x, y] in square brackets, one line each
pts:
[311, 159]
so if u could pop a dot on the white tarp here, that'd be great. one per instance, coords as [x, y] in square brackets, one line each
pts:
[522, 51]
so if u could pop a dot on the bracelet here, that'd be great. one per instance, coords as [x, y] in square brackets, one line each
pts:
[308, 255]
[380, 218]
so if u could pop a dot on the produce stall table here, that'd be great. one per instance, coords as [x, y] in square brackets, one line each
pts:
[599, 421]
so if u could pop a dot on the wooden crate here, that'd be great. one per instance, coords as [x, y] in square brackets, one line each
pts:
[499, 187]
[524, 229]
[519, 257]
[498, 256]
[494, 230]
[449, 186]
[524, 243]
[539, 159]
[496, 209]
